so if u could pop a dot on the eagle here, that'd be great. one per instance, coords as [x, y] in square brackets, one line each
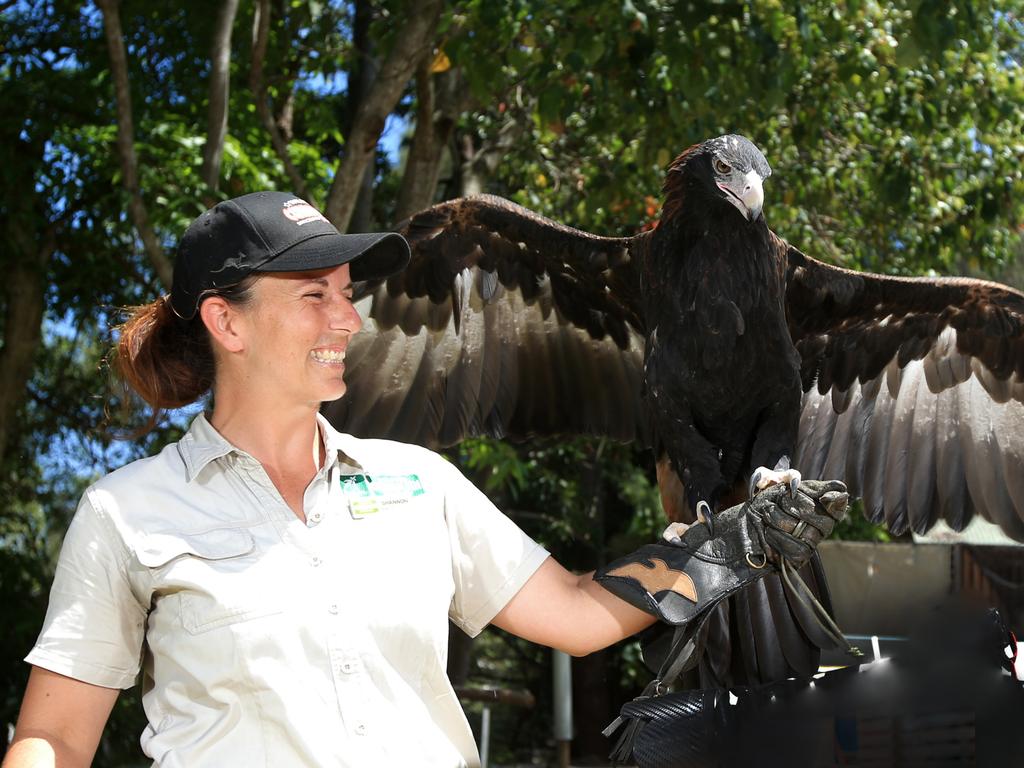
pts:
[738, 359]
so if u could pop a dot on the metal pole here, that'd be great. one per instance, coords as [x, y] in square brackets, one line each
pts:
[561, 667]
[485, 736]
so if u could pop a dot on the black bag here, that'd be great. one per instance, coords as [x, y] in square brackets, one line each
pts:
[676, 729]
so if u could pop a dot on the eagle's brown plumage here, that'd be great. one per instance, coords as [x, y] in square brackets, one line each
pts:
[507, 323]
[502, 319]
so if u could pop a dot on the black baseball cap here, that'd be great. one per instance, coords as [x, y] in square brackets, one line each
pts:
[272, 232]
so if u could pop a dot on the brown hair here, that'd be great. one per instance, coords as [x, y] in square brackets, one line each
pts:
[167, 361]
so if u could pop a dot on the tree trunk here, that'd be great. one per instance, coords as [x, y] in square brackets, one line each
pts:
[435, 122]
[591, 707]
[472, 171]
[590, 673]
[217, 116]
[412, 43]
[24, 302]
[126, 141]
[480, 156]
[362, 214]
[285, 119]
[363, 74]
[260, 36]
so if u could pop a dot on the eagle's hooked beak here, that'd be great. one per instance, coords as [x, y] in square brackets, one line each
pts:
[747, 195]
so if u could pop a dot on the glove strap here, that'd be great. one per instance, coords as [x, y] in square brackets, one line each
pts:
[791, 580]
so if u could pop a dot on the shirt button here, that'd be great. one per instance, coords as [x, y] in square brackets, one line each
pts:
[348, 667]
[361, 729]
[332, 608]
[315, 562]
[315, 517]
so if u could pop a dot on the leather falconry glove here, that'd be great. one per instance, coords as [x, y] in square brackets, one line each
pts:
[680, 582]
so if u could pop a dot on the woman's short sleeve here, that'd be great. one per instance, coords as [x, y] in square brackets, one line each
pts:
[491, 557]
[95, 624]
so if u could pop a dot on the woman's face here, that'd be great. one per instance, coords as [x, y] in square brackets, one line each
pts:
[298, 327]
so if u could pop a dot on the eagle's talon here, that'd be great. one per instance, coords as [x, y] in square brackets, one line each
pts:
[704, 516]
[763, 478]
[755, 482]
[794, 481]
[703, 512]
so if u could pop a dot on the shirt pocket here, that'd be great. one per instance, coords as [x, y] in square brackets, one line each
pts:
[218, 577]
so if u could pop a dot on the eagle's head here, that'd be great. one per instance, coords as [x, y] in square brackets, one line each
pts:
[727, 169]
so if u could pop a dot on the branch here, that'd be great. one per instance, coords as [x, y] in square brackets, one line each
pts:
[412, 43]
[220, 70]
[260, 36]
[126, 142]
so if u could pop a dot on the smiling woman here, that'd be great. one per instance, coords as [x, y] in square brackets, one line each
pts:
[243, 574]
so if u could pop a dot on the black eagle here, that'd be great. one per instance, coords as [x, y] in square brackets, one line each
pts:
[720, 345]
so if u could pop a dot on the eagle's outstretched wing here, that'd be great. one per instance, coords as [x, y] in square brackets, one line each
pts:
[913, 393]
[504, 323]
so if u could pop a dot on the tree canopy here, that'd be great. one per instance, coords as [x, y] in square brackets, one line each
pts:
[894, 132]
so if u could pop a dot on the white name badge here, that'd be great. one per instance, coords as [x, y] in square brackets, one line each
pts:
[370, 494]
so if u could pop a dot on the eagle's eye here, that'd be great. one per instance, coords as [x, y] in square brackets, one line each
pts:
[722, 167]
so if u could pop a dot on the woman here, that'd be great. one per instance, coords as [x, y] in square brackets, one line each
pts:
[285, 589]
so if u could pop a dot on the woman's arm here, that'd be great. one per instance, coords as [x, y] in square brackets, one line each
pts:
[60, 723]
[569, 612]
[578, 615]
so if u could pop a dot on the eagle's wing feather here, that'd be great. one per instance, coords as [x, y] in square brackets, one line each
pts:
[504, 323]
[914, 392]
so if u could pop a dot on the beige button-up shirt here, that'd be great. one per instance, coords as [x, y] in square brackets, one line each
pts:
[263, 640]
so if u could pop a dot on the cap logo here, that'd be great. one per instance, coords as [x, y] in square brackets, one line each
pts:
[301, 212]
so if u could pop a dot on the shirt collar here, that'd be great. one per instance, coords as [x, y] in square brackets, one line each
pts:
[202, 444]
[337, 444]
